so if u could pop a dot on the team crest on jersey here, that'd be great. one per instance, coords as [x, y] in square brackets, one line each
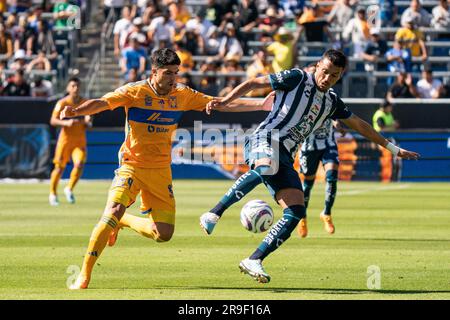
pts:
[161, 103]
[148, 101]
[172, 101]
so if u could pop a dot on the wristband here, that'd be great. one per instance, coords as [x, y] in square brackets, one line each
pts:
[393, 148]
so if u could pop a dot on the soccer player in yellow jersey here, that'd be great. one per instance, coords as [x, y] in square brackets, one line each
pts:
[153, 108]
[71, 143]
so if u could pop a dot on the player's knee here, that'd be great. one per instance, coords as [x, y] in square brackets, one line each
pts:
[78, 166]
[332, 175]
[59, 168]
[115, 209]
[163, 232]
[298, 211]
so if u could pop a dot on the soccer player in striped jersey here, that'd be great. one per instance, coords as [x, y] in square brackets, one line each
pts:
[303, 101]
[320, 146]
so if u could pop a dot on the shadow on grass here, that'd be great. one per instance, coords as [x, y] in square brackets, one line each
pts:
[306, 290]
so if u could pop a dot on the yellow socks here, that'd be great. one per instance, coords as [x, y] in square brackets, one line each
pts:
[54, 179]
[143, 226]
[75, 175]
[97, 243]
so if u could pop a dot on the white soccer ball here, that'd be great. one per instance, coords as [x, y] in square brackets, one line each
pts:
[256, 216]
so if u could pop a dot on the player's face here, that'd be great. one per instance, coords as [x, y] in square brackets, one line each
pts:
[327, 74]
[164, 78]
[73, 88]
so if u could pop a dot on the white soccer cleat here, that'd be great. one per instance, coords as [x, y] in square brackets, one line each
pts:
[208, 221]
[255, 270]
[53, 200]
[69, 195]
[80, 283]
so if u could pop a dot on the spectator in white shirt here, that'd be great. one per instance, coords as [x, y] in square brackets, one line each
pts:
[162, 31]
[229, 44]
[41, 88]
[420, 16]
[441, 15]
[428, 87]
[358, 32]
[121, 29]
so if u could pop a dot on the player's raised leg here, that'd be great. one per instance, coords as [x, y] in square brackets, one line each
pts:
[99, 237]
[291, 200]
[242, 186]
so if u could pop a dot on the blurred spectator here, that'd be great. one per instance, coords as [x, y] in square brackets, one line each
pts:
[10, 21]
[43, 41]
[187, 64]
[245, 19]
[315, 27]
[415, 13]
[212, 43]
[357, 31]
[292, 7]
[63, 11]
[17, 86]
[133, 57]
[383, 120]
[23, 36]
[121, 29]
[137, 31]
[41, 88]
[162, 31]
[388, 13]
[17, 6]
[3, 66]
[271, 22]
[214, 12]
[193, 42]
[399, 58]
[208, 83]
[200, 25]
[229, 44]
[6, 43]
[413, 39]
[375, 50]
[152, 10]
[179, 12]
[428, 87]
[341, 14]
[402, 88]
[41, 62]
[284, 49]
[34, 17]
[20, 62]
[441, 15]
[259, 67]
[133, 76]
[231, 65]
[113, 5]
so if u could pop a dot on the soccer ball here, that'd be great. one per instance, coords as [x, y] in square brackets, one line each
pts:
[256, 216]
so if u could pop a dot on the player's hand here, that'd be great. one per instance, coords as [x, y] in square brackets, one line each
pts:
[408, 155]
[268, 101]
[67, 112]
[213, 104]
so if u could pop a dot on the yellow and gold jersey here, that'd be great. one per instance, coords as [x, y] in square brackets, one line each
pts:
[151, 120]
[77, 132]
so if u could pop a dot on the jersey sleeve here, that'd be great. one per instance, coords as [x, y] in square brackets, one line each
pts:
[57, 110]
[286, 80]
[121, 97]
[341, 111]
[196, 101]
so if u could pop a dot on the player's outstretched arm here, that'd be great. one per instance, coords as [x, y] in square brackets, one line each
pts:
[89, 107]
[246, 105]
[365, 129]
[239, 91]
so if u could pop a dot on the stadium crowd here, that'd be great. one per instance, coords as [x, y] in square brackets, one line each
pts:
[222, 42]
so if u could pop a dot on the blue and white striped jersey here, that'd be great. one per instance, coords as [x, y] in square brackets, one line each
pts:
[321, 139]
[299, 108]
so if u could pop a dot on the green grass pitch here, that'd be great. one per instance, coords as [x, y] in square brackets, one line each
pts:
[402, 228]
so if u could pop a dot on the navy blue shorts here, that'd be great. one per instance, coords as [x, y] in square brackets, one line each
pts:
[309, 160]
[285, 176]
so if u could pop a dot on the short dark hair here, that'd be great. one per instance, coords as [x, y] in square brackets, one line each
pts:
[165, 57]
[336, 57]
[386, 104]
[74, 79]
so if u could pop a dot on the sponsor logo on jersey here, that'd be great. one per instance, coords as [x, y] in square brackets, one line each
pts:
[148, 101]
